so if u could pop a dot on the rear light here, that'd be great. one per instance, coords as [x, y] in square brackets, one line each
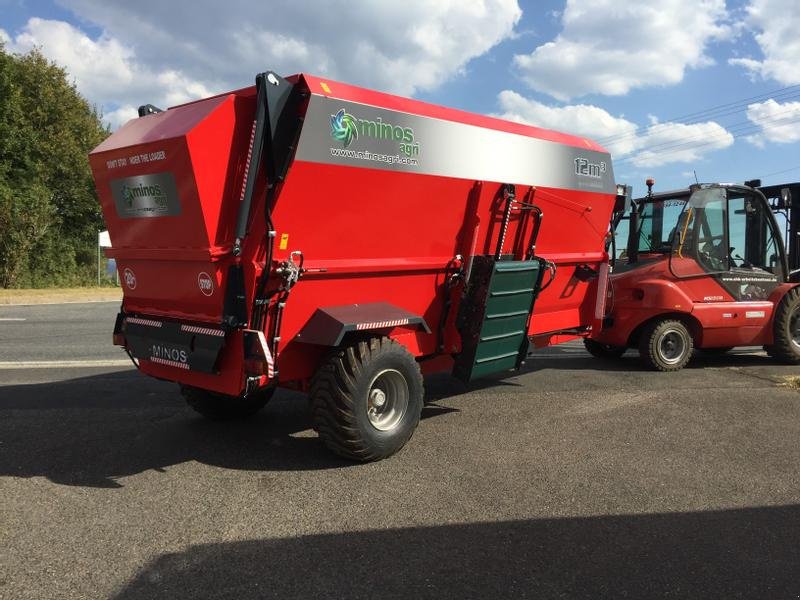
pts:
[119, 326]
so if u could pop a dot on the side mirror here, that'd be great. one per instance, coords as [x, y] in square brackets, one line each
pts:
[624, 193]
[786, 198]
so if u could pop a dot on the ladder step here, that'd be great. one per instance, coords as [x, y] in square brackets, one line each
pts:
[512, 292]
[515, 266]
[501, 336]
[498, 357]
[510, 314]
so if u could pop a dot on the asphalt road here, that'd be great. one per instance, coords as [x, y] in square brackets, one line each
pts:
[573, 479]
[58, 332]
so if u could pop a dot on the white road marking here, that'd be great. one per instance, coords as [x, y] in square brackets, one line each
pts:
[63, 364]
[12, 319]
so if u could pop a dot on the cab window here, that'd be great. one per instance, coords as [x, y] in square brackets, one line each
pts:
[699, 243]
[656, 224]
[753, 244]
[723, 230]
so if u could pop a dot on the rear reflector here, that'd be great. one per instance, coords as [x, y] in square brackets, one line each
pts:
[258, 358]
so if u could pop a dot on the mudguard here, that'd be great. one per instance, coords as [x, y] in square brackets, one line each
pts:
[328, 326]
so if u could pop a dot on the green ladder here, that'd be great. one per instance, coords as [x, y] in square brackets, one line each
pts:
[495, 315]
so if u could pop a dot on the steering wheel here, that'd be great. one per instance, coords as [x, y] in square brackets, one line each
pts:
[713, 256]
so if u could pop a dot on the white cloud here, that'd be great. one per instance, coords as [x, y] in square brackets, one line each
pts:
[610, 47]
[150, 51]
[120, 116]
[776, 23]
[401, 47]
[105, 71]
[655, 145]
[179, 88]
[666, 143]
[98, 66]
[778, 122]
[582, 120]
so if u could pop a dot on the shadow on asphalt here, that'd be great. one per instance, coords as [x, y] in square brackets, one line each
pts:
[577, 360]
[91, 431]
[743, 553]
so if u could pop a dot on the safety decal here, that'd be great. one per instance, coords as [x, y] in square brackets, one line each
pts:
[202, 330]
[130, 278]
[382, 324]
[205, 283]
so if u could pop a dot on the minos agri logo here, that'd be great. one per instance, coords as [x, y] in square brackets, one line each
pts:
[154, 193]
[346, 128]
[151, 195]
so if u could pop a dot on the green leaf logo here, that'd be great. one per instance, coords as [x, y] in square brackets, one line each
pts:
[344, 128]
[127, 196]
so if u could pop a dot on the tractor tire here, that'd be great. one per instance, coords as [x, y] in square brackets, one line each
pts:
[604, 351]
[221, 407]
[666, 345]
[786, 333]
[366, 399]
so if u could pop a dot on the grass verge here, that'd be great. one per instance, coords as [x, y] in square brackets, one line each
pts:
[58, 295]
[792, 382]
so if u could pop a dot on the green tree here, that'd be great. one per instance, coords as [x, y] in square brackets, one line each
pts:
[49, 213]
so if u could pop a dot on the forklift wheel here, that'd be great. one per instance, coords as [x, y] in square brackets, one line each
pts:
[787, 329]
[605, 351]
[366, 399]
[221, 407]
[666, 345]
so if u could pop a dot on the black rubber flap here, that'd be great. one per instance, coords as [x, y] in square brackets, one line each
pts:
[175, 344]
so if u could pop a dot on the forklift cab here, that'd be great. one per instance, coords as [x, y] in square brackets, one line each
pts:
[727, 232]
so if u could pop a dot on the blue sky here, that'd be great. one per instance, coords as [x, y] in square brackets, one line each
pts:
[645, 78]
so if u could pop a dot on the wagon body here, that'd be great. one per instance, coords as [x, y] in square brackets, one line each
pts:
[256, 230]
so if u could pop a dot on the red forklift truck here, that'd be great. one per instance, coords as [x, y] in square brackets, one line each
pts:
[314, 235]
[706, 268]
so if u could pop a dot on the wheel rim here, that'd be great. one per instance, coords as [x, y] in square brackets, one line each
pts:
[672, 346]
[387, 399]
[794, 328]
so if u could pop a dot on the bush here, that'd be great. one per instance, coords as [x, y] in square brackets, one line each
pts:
[49, 213]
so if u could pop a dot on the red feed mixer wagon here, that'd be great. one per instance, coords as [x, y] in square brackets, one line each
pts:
[310, 234]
